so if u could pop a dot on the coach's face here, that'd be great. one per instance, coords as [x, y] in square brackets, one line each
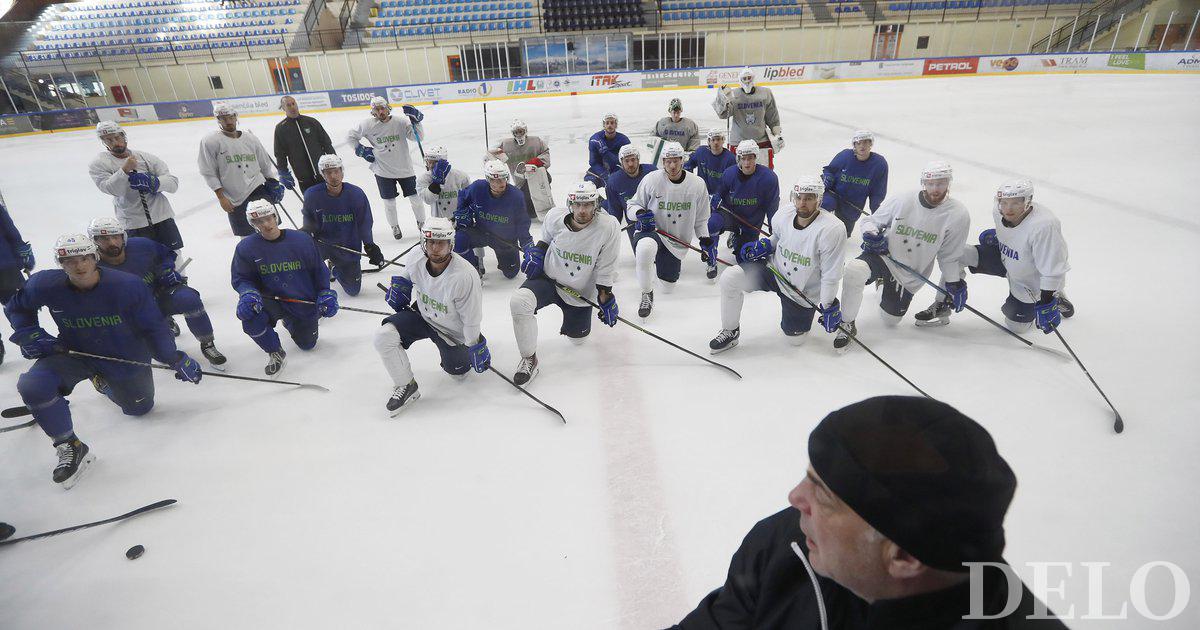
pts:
[290, 107]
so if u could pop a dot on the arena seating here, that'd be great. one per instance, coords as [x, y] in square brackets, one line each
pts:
[972, 4]
[146, 27]
[424, 18]
[683, 10]
[587, 15]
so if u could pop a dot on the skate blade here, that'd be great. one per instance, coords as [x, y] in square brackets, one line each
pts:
[84, 465]
[843, 350]
[408, 403]
[933, 323]
[532, 375]
[731, 346]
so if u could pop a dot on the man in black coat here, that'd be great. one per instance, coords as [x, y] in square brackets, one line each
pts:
[902, 497]
[300, 141]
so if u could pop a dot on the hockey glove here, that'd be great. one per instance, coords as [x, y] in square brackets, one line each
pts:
[535, 161]
[275, 190]
[777, 144]
[608, 309]
[714, 202]
[464, 216]
[958, 294]
[285, 177]
[831, 316]
[829, 179]
[481, 357]
[168, 277]
[25, 253]
[186, 368]
[249, 304]
[708, 250]
[414, 115]
[399, 295]
[327, 303]
[987, 238]
[1046, 312]
[596, 180]
[35, 342]
[143, 182]
[441, 170]
[875, 242]
[533, 261]
[374, 255]
[759, 250]
[365, 152]
[645, 221]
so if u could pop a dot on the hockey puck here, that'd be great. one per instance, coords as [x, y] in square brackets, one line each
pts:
[135, 552]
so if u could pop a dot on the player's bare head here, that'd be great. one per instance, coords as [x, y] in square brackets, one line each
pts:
[1014, 199]
[332, 170]
[806, 195]
[716, 139]
[631, 160]
[582, 201]
[862, 141]
[380, 109]
[113, 137]
[437, 239]
[672, 159]
[675, 108]
[76, 254]
[227, 118]
[746, 80]
[496, 174]
[747, 155]
[263, 218]
[610, 123]
[935, 181]
[289, 106]
[109, 236]
[433, 154]
[518, 129]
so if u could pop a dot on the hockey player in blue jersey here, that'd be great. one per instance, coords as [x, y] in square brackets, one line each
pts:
[16, 256]
[710, 162]
[491, 213]
[100, 312]
[273, 264]
[604, 149]
[338, 213]
[623, 183]
[154, 263]
[853, 176]
[748, 190]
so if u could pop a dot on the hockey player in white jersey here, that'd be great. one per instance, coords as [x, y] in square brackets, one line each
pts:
[440, 184]
[238, 169]
[437, 296]
[916, 229]
[523, 154]
[807, 245]
[1028, 248]
[137, 181]
[579, 250]
[754, 116]
[390, 156]
[674, 201]
[675, 128]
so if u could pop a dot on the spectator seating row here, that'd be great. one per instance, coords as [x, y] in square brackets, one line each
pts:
[449, 29]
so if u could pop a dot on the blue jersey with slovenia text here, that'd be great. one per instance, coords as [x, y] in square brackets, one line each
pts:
[504, 216]
[289, 266]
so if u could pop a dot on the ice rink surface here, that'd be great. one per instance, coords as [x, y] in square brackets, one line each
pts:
[478, 509]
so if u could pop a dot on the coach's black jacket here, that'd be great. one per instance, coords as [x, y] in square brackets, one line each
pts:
[769, 589]
[299, 143]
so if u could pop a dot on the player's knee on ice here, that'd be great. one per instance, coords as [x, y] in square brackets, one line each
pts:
[1018, 327]
[304, 333]
[856, 274]
[523, 303]
[797, 339]
[888, 319]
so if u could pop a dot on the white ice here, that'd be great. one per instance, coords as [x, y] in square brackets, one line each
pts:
[479, 509]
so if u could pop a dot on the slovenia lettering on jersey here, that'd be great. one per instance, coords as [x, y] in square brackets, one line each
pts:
[337, 218]
[280, 267]
[1010, 252]
[678, 206]
[750, 105]
[583, 259]
[433, 304]
[493, 218]
[794, 257]
[237, 158]
[861, 181]
[386, 139]
[744, 201]
[921, 235]
[95, 321]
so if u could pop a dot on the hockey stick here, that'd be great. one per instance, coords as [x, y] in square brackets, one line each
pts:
[576, 295]
[23, 424]
[340, 307]
[355, 251]
[1118, 423]
[722, 208]
[141, 510]
[15, 412]
[690, 246]
[393, 261]
[486, 143]
[509, 380]
[76, 353]
[842, 328]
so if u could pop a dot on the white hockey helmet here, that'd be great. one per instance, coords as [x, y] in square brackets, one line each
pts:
[224, 109]
[937, 169]
[516, 124]
[1016, 189]
[108, 128]
[377, 101]
[328, 161]
[583, 192]
[435, 153]
[495, 169]
[260, 209]
[437, 229]
[860, 135]
[628, 150]
[105, 226]
[672, 150]
[607, 117]
[716, 132]
[747, 147]
[74, 245]
[808, 185]
[746, 79]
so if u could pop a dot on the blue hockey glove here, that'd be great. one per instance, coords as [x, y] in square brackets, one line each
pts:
[987, 238]
[608, 310]
[533, 261]
[25, 253]
[327, 303]
[831, 316]
[285, 177]
[275, 190]
[249, 304]
[759, 250]
[875, 243]
[1046, 311]
[441, 170]
[645, 221]
[414, 114]
[714, 202]
[143, 182]
[464, 216]
[829, 179]
[708, 250]
[399, 295]
[35, 342]
[958, 294]
[481, 357]
[186, 368]
[168, 277]
[364, 152]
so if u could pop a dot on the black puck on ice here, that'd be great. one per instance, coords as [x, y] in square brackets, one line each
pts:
[135, 552]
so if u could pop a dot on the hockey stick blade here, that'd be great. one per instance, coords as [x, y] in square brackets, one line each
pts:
[15, 412]
[526, 392]
[18, 426]
[141, 510]
[237, 377]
